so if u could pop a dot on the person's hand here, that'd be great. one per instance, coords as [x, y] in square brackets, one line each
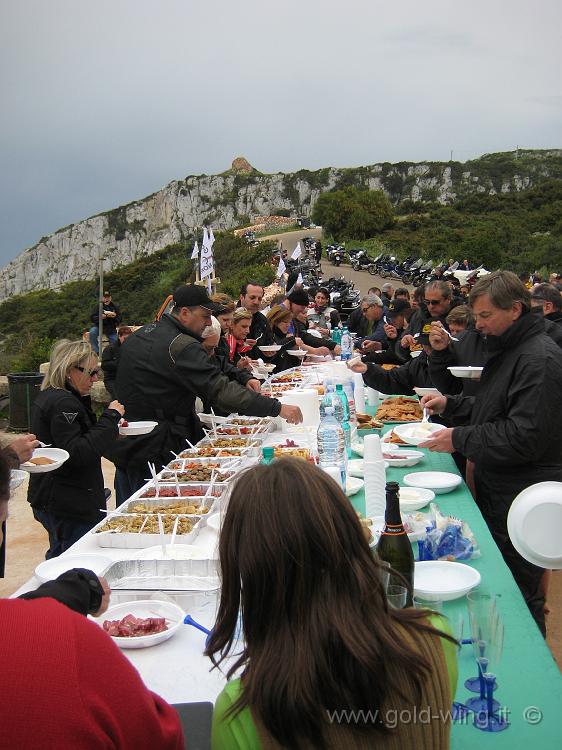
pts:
[253, 385]
[105, 597]
[244, 363]
[24, 447]
[437, 336]
[117, 406]
[299, 342]
[435, 404]
[440, 441]
[336, 350]
[322, 351]
[358, 367]
[407, 341]
[369, 346]
[292, 414]
[390, 331]
[324, 331]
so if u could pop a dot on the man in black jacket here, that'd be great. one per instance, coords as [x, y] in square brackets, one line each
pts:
[111, 319]
[163, 369]
[297, 302]
[251, 296]
[512, 428]
[548, 297]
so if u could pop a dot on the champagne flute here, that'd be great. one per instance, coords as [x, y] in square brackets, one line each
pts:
[483, 635]
[490, 719]
[481, 608]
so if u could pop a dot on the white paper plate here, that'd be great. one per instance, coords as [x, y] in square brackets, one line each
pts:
[473, 373]
[137, 428]
[417, 433]
[440, 580]
[271, 349]
[534, 523]
[214, 522]
[297, 352]
[416, 353]
[145, 608]
[407, 457]
[17, 477]
[56, 566]
[414, 498]
[58, 455]
[440, 482]
[355, 467]
[353, 485]
[426, 391]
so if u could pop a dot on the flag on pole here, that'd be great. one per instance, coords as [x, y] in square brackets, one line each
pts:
[300, 280]
[281, 268]
[207, 263]
[297, 252]
[205, 242]
[195, 252]
[211, 237]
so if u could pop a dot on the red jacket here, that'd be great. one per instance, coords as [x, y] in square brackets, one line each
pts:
[65, 684]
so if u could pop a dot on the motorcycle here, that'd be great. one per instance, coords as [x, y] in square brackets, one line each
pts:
[360, 259]
[343, 296]
[409, 273]
[336, 254]
[422, 274]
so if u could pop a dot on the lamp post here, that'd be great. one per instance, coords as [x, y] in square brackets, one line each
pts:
[101, 259]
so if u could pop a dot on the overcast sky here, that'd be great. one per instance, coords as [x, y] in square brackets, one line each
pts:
[105, 102]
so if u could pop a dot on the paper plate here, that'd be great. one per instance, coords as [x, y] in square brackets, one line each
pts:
[296, 352]
[473, 373]
[534, 523]
[137, 428]
[355, 467]
[426, 391]
[56, 566]
[353, 485]
[57, 455]
[440, 580]
[416, 353]
[440, 482]
[405, 457]
[17, 477]
[271, 349]
[214, 522]
[414, 498]
[417, 433]
[144, 608]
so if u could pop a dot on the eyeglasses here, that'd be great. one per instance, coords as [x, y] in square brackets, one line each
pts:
[91, 373]
[433, 301]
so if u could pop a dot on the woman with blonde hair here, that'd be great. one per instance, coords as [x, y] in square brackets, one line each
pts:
[68, 501]
[239, 330]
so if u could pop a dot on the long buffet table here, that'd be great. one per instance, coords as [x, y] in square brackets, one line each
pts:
[530, 684]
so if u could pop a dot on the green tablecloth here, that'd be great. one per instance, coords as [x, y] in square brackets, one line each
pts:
[529, 681]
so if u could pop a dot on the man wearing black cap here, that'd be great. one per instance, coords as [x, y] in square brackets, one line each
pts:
[297, 302]
[163, 369]
[402, 379]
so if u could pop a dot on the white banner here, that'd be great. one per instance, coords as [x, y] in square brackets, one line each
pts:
[280, 268]
[195, 253]
[207, 263]
[211, 237]
[297, 252]
[300, 280]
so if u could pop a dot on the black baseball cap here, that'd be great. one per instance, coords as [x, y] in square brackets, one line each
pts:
[191, 295]
[298, 297]
[398, 307]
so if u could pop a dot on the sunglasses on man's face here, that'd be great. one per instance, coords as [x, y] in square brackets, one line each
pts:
[433, 301]
[91, 373]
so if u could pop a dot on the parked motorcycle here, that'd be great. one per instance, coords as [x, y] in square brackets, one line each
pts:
[336, 254]
[360, 260]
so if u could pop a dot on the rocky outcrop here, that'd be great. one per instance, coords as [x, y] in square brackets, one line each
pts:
[240, 195]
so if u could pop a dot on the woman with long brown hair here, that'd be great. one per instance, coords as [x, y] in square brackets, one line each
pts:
[320, 640]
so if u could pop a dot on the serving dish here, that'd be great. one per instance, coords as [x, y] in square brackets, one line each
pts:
[440, 482]
[57, 455]
[441, 580]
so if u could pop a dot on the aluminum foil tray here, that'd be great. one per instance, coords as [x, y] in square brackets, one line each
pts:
[163, 575]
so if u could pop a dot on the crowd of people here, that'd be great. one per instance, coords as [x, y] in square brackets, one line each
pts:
[317, 574]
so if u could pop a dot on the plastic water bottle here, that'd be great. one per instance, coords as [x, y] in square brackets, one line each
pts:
[345, 423]
[336, 335]
[346, 345]
[332, 400]
[331, 444]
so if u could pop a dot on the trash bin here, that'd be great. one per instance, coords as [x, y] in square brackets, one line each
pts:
[23, 389]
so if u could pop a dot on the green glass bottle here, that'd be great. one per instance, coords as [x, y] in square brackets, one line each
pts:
[394, 546]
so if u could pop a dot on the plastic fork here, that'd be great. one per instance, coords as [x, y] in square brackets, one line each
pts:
[453, 338]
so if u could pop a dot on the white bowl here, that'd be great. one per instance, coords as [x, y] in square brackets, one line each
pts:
[355, 467]
[17, 477]
[137, 428]
[440, 482]
[353, 485]
[145, 608]
[534, 522]
[48, 570]
[58, 455]
[415, 433]
[414, 498]
[297, 352]
[416, 353]
[473, 373]
[378, 524]
[426, 391]
[406, 457]
[271, 349]
[441, 580]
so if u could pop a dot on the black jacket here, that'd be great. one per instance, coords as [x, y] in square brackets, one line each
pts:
[261, 329]
[282, 359]
[163, 369]
[110, 361]
[554, 317]
[513, 429]
[78, 589]
[301, 331]
[109, 324]
[471, 349]
[75, 490]
[401, 379]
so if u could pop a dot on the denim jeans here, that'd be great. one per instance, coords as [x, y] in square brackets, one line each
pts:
[63, 532]
[94, 335]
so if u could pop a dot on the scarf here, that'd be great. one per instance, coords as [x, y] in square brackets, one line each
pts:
[236, 346]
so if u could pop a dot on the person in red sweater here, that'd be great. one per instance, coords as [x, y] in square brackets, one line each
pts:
[65, 684]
